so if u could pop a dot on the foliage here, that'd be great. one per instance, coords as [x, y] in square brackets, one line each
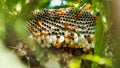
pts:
[97, 59]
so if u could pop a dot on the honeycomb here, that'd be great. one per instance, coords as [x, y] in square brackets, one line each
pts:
[64, 27]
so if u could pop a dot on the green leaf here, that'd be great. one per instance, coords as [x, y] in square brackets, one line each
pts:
[43, 4]
[74, 63]
[97, 59]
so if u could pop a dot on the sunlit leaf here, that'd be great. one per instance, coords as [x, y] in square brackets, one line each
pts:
[97, 59]
[74, 63]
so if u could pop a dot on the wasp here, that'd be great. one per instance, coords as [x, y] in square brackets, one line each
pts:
[66, 24]
[40, 23]
[60, 13]
[79, 15]
[36, 34]
[89, 39]
[31, 27]
[67, 36]
[57, 43]
[73, 27]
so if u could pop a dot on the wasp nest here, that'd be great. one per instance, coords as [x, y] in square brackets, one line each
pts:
[64, 27]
